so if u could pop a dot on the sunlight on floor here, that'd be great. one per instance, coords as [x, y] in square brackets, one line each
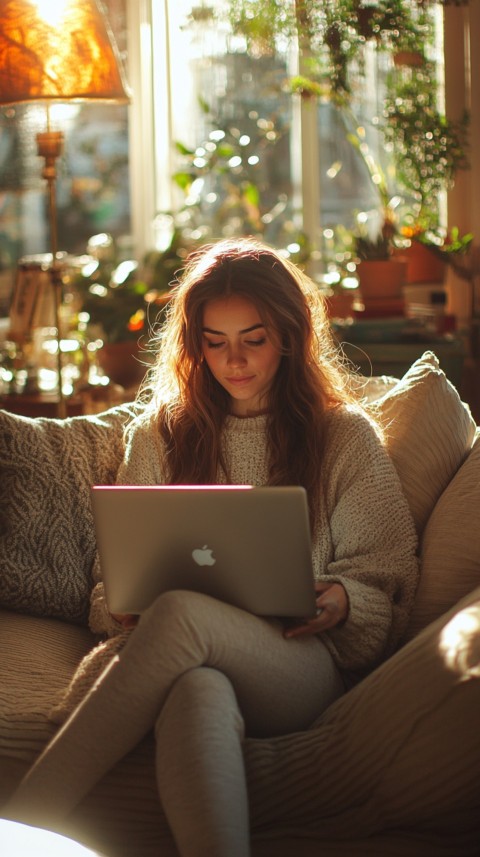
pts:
[21, 840]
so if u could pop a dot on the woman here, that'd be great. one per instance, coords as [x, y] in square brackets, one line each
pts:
[247, 388]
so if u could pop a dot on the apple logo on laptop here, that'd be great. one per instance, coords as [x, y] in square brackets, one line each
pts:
[203, 556]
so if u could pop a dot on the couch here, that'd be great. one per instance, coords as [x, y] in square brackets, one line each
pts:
[47, 547]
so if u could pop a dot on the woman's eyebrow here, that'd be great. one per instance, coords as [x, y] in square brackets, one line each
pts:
[222, 333]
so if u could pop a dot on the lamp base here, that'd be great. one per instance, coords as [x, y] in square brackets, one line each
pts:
[50, 147]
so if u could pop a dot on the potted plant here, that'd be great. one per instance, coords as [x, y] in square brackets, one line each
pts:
[429, 150]
[380, 270]
[381, 274]
[430, 251]
[118, 300]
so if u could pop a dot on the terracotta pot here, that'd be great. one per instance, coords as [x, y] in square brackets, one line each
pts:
[423, 265]
[383, 278]
[410, 59]
[123, 362]
[341, 304]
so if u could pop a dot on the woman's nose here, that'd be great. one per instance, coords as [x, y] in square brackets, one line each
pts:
[236, 356]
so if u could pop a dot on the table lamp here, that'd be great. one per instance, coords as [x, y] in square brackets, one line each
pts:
[57, 51]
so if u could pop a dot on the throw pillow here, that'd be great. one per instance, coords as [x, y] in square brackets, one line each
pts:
[47, 542]
[450, 559]
[429, 432]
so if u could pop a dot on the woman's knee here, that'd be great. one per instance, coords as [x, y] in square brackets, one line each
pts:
[178, 616]
[170, 606]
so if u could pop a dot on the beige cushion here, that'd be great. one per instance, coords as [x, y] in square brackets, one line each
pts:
[38, 658]
[429, 433]
[450, 551]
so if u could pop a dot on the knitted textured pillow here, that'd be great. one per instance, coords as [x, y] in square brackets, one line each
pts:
[47, 542]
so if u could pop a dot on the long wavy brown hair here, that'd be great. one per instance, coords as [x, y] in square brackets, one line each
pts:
[191, 406]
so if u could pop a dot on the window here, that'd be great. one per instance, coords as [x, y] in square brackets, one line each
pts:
[284, 168]
[250, 157]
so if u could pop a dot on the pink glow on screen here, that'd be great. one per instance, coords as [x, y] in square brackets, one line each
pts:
[171, 487]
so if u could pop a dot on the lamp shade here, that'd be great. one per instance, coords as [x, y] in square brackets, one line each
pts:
[58, 50]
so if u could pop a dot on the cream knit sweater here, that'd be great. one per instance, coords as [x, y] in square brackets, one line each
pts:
[364, 537]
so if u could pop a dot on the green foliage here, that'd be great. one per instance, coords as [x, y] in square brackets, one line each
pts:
[117, 311]
[307, 88]
[224, 190]
[428, 148]
[378, 248]
[335, 31]
[121, 298]
[262, 21]
[445, 246]
[225, 182]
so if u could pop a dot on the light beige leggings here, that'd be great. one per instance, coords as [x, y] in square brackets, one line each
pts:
[280, 686]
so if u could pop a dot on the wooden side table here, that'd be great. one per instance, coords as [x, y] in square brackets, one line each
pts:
[39, 405]
[91, 401]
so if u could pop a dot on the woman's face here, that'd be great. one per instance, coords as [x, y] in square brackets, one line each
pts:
[240, 352]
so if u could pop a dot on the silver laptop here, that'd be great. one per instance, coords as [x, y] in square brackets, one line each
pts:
[250, 547]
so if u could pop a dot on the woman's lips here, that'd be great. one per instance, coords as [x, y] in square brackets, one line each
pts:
[239, 382]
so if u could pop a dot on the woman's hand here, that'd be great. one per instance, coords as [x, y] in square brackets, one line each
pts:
[128, 620]
[332, 608]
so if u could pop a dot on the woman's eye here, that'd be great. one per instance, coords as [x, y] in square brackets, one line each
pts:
[256, 341]
[214, 344]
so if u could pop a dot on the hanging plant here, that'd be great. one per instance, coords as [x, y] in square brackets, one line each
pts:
[334, 31]
[201, 14]
[261, 22]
